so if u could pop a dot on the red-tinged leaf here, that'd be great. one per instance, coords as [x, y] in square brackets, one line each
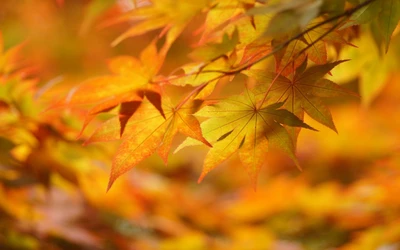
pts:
[147, 132]
[317, 51]
[255, 51]
[247, 125]
[303, 93]
[288, 59]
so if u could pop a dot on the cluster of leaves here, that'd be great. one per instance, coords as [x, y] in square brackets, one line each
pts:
[50, 186]
[235, 37]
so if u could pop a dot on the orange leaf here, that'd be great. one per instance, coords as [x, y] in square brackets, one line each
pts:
[147, 131]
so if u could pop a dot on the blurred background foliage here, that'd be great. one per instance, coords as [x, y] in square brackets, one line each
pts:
[53, 189]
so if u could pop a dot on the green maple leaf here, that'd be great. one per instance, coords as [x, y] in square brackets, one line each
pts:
[388, 19]
[304, 92]
[383, 15]
[248, 125]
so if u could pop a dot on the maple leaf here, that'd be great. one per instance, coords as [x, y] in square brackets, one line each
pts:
[304, 92]
[383, 15]
[131, 80]
[147, 131]
[255, 51]
[384, 25]
[243, 123]
[129, 74]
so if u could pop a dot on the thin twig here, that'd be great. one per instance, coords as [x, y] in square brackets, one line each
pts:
[281, 46]
[347, 13]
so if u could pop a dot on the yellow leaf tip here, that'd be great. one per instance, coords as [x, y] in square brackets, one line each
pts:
[110, 183]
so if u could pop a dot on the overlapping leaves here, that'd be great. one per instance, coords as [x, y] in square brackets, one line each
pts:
[131, 80]
[383, 17]
[304, 92]
[248, 125]
[230, 42]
